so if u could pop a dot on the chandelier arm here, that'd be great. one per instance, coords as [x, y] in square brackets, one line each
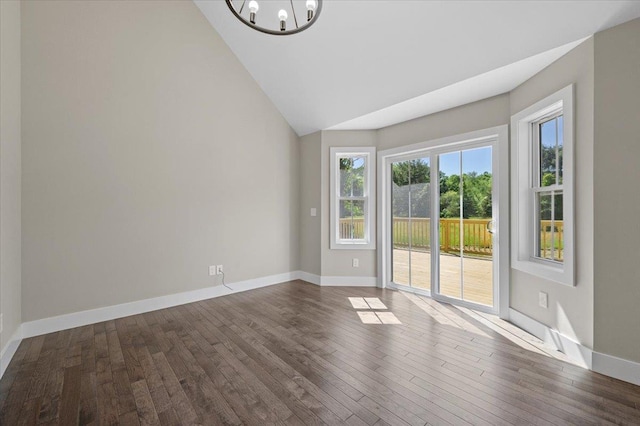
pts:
[295, 19]
[242, 7]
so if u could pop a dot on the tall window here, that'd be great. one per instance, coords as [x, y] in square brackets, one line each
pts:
[548, 188]
[542, 188]
[352, 198]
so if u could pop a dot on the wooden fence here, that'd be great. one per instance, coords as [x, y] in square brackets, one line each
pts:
[476, 238]
[552, 237]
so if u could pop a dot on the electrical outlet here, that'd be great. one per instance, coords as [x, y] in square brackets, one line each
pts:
[314, 212]
[1, 322]
[213, 270]
[219, 269]
[543, 300]
[355, 262]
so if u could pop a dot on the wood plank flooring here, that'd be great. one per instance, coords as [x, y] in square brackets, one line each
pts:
[295, 353]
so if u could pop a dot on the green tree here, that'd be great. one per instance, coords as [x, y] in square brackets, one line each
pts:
[411, 179]
[352, 184]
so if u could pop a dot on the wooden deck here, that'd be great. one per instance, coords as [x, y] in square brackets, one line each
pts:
[299, 354]
[478, 275]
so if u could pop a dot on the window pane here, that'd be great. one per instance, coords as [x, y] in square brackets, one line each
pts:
[558, 240]
[548, 161]
[544, 217]
[401, 235]
[560, 145]
[550, 226]
[352, 176]
[450, 260]
[420, 200]
[477, 247]
[351, 219]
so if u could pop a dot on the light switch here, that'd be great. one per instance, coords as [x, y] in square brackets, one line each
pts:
[314, 211]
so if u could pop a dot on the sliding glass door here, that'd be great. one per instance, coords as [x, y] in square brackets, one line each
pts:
[441, 224]
[411, 212]
[466, 225]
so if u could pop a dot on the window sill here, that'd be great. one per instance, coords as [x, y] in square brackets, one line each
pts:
[553, 272]
[353, 246]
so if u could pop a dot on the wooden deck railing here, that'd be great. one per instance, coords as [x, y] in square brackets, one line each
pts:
[476, 238]
[546, 242]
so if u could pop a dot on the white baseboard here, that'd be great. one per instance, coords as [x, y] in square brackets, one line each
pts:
[92, 316]
[309, 277]
[578, 353]
[10, 349]
[77, 319]
[618, 368]
[327, 281]
[608, 365]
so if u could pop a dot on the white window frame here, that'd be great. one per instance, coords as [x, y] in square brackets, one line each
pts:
[369, 196]
[524, 186]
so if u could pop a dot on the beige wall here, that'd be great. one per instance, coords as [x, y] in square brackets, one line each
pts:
[139, 168]
[617, 191]
[310, 184]
[478, 115]
[483, 114]
[149, 153]
[338, 263]
[10, 146]
[570, 309]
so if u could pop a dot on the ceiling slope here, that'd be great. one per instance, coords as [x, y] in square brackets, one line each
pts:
[370, 64]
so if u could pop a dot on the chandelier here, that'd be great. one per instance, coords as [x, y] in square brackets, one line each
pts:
[281, 17]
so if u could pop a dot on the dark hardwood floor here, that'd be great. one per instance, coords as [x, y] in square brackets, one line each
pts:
[296, 353]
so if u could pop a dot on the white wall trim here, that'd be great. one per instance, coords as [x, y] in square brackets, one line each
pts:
[309, 277]
[609, 365]
[349, 281]
[10, 349]
[369, 194]
[335, 281]
[618, 368]
[577, 352]
[92, 316]
[523, 217]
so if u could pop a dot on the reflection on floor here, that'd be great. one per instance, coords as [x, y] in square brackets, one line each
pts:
[366, 303]
[372, 317]
[445, 314]
[478, 275]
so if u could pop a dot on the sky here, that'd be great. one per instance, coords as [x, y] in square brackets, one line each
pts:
[478, 160]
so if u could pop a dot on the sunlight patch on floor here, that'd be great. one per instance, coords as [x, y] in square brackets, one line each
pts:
[388, 318]
[516, 335]
[445, 314]
[371, 317]
[368, 317]
[366, 303]
[442, 314]
[375, 303]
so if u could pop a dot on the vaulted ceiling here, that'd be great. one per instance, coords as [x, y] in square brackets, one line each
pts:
[370, 64]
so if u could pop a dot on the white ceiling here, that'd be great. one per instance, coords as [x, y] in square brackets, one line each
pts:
[370, 64]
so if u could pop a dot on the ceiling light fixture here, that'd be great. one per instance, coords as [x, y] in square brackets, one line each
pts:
[270, 16]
